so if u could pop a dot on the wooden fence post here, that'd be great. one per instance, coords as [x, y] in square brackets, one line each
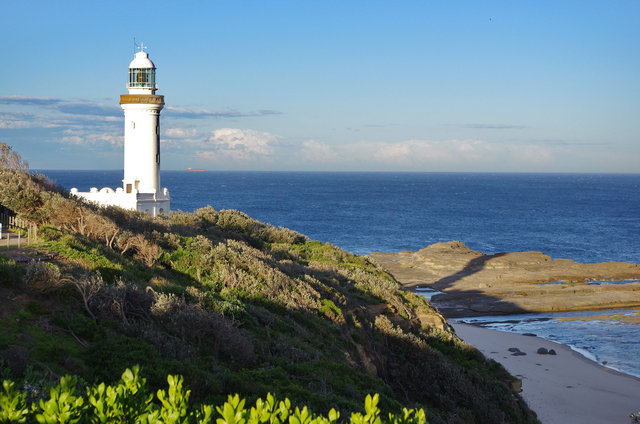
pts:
[14, 223]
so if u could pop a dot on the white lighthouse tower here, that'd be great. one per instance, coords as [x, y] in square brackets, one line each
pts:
[141, 183]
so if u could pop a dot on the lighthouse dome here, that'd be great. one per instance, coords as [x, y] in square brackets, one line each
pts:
[141, 61]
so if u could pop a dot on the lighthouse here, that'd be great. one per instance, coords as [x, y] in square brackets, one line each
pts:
[142, 108]
[141, 182]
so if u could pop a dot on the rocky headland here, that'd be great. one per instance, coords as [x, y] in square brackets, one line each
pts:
[232, 305]
[471, 283]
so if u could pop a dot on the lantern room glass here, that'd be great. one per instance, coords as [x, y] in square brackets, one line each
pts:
[142, 78]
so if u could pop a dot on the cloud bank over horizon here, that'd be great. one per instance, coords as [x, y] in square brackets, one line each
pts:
[97, 127]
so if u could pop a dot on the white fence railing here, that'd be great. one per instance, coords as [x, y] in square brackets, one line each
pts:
[16, 231]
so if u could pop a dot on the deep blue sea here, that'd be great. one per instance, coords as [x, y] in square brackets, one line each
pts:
[585, 217]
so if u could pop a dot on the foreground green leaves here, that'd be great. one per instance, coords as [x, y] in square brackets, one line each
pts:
[63, 406]
[129, 403]
[13, 405]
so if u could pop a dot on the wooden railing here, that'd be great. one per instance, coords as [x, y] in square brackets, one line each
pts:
[17, 231]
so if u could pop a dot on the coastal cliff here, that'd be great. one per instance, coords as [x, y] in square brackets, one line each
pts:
[472, 283]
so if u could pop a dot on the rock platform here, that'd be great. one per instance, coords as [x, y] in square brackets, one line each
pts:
[472, 283]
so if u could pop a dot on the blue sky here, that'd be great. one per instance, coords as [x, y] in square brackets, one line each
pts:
[497, 86]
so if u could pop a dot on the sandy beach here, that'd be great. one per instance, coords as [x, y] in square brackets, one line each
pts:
[562, 388]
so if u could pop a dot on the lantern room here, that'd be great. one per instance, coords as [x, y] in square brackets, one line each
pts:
[142, 74]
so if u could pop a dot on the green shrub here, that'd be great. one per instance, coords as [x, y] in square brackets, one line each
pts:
[42, 276]
[330, 309]
[130, 402]
[122, 403]
[63, 405]
[13, 404]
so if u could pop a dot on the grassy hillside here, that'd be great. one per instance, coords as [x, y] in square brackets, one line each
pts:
[233, 305]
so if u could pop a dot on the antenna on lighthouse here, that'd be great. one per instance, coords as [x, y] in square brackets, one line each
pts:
[135, 45]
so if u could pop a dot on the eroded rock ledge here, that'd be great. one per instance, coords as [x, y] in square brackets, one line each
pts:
[473, 283]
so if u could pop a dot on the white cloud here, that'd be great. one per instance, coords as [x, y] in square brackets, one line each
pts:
[399, 152]
[317, 152]
[534, 154]
[84, 137]
[440, 155]
[237, 144]
[181, 132]
[15, 121]
[424, 152]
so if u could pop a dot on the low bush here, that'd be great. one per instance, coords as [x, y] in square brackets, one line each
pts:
[130, 402]
[42, 276]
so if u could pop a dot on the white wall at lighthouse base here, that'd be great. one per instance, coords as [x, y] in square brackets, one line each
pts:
[151, 203]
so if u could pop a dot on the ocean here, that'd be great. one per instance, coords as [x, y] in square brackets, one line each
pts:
[585, 217]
